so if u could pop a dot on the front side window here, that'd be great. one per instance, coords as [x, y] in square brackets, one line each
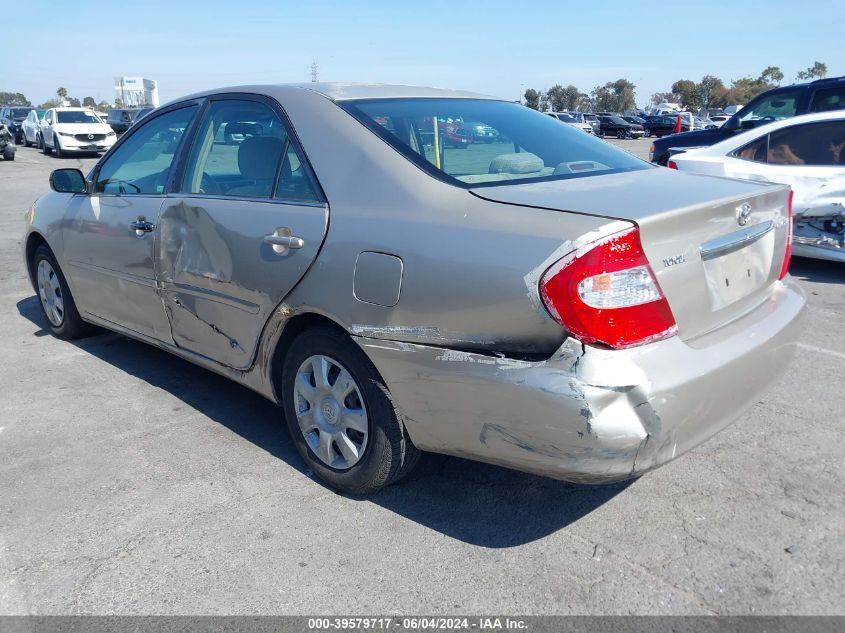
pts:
[774, 107]
[529, 146]
[76, 116]
[141, 164]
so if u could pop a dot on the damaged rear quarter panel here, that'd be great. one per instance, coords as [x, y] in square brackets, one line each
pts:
[534, 416]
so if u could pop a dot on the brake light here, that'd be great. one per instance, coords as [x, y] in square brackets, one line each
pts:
[672, 164]
[787, 252]
[607, 293]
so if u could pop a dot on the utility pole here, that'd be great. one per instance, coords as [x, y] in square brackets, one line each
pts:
[314, 71]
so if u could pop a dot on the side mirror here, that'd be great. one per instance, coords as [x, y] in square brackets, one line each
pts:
[732, 125]
[68, 181]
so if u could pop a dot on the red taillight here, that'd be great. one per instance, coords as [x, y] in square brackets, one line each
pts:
[606, 293]
[787, 253]
[672, 164]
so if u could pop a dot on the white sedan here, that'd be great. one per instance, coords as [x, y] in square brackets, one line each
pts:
[74, 130]
[805, 152]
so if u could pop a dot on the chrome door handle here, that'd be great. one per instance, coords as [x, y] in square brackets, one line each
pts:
[281, 243]
[141, 226]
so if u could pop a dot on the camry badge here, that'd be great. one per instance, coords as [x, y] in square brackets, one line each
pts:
[743, 213]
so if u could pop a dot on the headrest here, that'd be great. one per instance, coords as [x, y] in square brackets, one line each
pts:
[518, 163]
[259, 156]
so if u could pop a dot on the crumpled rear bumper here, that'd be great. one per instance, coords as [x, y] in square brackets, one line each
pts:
[587, 414]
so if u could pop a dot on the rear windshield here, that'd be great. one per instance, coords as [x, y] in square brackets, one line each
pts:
[529, 147]
[75, 116]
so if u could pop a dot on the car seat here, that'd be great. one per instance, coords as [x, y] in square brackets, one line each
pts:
[258, 160]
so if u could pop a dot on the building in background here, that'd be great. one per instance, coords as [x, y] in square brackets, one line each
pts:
[136, 91]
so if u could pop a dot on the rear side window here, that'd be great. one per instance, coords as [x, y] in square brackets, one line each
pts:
[754, 151]
[829, 99]
[440, 136]
[242, 149]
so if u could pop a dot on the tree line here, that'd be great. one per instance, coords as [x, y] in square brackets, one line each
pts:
[620, 95]
[614, 96]
[18, 99]
[711, 92]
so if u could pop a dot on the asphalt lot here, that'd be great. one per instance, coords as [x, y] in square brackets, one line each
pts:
[133, 482]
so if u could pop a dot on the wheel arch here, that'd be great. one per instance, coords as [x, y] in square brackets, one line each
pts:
[292, 328]
[33, 241]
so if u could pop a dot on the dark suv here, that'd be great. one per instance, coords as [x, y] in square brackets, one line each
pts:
[12, 117]
[663, 124]
[120, 119]
[779, 103]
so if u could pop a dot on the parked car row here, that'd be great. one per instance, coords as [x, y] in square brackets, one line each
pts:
[773, 105]
[68, 129]
[30, 126]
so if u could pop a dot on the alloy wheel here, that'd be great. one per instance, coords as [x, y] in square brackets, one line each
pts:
[50, 293]
[330, 411]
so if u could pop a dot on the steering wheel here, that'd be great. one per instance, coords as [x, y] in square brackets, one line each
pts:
[209, 185]
[768, 118]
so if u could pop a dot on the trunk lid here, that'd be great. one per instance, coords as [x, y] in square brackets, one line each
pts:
[711, 268]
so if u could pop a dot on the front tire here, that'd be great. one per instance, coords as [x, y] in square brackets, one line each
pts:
[26, 142]
[621, 134]
[340, 414]
[47, 151]
[57, 148]
[57, 304]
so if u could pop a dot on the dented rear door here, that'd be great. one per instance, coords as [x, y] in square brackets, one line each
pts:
[221, 279]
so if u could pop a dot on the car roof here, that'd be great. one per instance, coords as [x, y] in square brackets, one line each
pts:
[349, 91]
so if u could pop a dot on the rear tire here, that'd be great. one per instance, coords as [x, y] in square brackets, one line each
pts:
[57, 304]
[8, 154]
[327, 380]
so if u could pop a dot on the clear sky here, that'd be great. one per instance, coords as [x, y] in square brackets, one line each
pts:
[498, 47]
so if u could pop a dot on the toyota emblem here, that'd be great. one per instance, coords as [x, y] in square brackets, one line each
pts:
[743, 213]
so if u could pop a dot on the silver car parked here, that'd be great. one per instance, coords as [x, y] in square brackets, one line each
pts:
[548, 302]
